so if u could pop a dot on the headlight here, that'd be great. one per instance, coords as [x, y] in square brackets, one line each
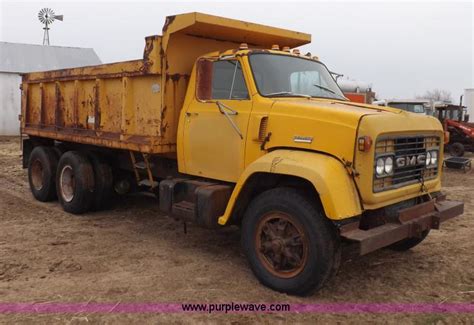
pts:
[380, 167]
[384, 166]
[434, 158]
[428, 158]
[388, 165]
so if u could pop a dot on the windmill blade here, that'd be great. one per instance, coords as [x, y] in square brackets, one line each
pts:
[46, 15]
[58, 17]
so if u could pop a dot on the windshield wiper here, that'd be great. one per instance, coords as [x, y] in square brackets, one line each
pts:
[324, 88]
[287, 93]
[328, 90]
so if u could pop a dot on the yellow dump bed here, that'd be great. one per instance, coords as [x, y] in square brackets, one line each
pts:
[134, 105]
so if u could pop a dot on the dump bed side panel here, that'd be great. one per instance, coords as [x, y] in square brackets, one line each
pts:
[115, 105]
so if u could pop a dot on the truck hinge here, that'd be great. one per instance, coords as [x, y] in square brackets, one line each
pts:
[350, 168]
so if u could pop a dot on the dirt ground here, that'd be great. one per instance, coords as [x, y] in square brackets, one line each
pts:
[133, 253]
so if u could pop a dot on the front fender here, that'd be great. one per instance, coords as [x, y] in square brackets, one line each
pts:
[328, 175]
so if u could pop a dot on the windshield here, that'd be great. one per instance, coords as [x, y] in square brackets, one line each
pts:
[410, 107]
[287, 76]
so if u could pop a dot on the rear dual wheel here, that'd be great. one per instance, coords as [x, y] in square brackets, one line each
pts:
[42, 166]
[103, 180]
[75, 182]
[81, 182]
[84, 182]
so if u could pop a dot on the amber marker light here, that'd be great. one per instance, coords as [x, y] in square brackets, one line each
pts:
[365, 143]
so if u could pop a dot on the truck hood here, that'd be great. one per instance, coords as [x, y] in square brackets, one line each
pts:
[330, 126]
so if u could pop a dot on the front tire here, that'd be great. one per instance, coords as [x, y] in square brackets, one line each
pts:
[75, 182]
[290, 245]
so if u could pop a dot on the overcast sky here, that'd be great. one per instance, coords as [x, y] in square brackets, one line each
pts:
[401, 48]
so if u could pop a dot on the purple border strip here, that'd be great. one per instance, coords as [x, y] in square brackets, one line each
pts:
[325, 308]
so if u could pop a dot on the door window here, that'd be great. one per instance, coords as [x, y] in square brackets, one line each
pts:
[221, 80]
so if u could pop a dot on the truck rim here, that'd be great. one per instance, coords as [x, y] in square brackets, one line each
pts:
[37, 174]
[281, 244]
[68, 183]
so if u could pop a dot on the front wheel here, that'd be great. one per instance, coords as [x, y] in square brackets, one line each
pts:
[290, 245]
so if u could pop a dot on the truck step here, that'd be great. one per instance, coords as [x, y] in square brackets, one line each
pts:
[146, 182]
[184, 210]
[142, 165]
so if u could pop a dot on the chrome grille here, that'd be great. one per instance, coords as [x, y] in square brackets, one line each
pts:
[406, 147]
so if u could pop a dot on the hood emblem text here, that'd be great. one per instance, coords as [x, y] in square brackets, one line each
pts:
[413, 160]
[302, 139]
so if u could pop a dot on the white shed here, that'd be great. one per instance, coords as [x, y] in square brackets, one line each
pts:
[16, 59]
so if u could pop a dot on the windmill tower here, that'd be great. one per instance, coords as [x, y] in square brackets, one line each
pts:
[47, 17]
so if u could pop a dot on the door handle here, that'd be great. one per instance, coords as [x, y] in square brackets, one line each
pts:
[225, 110]
[192, 114]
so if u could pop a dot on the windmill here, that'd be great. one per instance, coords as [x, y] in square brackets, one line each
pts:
[47, 17]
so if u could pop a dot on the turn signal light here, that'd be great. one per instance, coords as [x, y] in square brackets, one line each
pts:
[365, 143]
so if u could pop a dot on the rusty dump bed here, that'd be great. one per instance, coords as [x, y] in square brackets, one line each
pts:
[134, 105]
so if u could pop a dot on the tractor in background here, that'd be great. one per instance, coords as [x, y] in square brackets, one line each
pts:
[455, 120]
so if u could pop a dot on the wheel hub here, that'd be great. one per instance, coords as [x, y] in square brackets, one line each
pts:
[67, 183]
[37, 174]
[281, 244]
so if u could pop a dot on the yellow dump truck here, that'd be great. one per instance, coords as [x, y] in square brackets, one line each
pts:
[229, 124]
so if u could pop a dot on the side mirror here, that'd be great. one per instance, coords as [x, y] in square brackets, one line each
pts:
[204, 79]
[466, 118]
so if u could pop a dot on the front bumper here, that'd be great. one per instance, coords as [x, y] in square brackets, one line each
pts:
[410, 222]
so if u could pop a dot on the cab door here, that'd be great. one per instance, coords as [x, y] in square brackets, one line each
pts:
[215, 124]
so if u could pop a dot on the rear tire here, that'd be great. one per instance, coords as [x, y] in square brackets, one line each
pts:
[456, 149]
[75, 182]
[42, 166]
[103, 180]
[290, 245]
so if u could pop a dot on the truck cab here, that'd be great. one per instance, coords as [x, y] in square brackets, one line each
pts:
[416, 106]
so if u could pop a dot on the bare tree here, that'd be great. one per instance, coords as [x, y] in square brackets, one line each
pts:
[437, 95]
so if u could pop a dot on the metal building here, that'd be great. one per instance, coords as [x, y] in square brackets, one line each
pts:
[16, 59]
